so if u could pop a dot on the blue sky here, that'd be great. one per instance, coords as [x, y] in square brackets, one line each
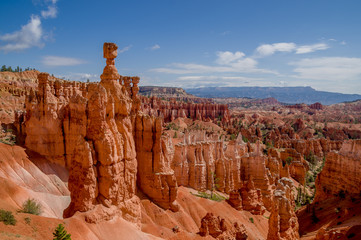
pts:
[190, 43]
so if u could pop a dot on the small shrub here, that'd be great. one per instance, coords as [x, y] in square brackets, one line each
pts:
[245, 139]
[232, 137]
[60, 233]
[251, 220]
[7, 217]
[172, 126]
[31, 206]
[214, 196]
[289, 160]
[27, 220]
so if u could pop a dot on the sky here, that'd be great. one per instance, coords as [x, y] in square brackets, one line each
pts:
[190, 43]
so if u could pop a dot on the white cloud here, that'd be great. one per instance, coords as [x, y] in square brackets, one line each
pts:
[269, 49]
[28, 36]
[125, 49]
[225, 58]
[328, 68]
[56, 61]
[51, 12]
[226, 62]
[31, 34]
[311, 48]
[155, 47]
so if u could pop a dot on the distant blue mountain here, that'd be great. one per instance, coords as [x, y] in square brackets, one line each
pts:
[290, 95]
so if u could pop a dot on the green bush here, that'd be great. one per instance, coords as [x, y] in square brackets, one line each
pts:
[251, 219]
[214, 196]
[31, 206]
[289, 160]
[7, 217]
[172, 126]
[60, 233]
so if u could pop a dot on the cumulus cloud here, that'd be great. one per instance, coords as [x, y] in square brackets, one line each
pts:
[155, 47]
[228, 57]
[270, 49]
[56, 61]
[328, 68]
[28, 36]
[31, 34]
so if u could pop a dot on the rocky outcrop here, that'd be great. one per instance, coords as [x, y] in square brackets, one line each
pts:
[283, 222]
[154, 154]
[319, 147]
[341, 173]
[216, 227]
[252, 198]
[235, 200]
[88, 128]
[298, 167]
[200, 163]
[229, 168]
[253, 167]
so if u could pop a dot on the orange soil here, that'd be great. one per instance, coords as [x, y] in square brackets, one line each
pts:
[188, 219]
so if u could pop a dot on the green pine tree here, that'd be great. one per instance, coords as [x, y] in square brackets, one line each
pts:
[61, 234]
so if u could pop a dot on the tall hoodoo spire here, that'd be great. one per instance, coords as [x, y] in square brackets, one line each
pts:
[110, 72]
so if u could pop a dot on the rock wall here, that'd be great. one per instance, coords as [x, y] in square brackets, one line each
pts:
[319, 147]
[154, 154]
[173, 109]
[199, 164]
[341, 173]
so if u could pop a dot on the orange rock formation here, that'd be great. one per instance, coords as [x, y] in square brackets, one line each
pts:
[341, 173]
